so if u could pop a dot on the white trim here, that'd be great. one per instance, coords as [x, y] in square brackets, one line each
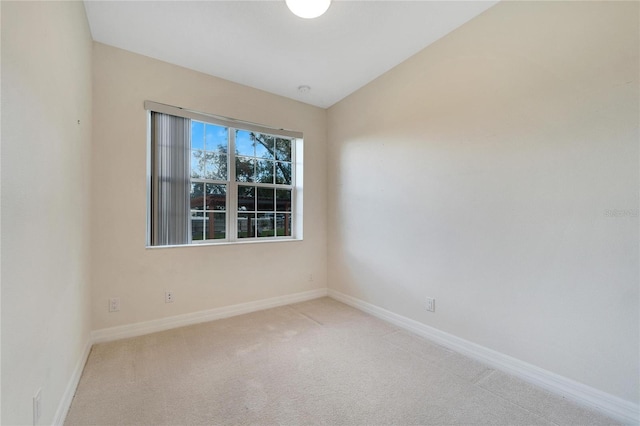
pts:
[221, 242]
[142, 328]
[611, 405]
[70, 391]
[232, 190]
[297, 196]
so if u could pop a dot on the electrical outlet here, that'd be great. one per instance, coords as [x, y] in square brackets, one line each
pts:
[431, 304]
[114, 304]
[168, 297]
[310, 277]
[37, 406]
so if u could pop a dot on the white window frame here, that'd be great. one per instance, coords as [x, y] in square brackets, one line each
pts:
[231, 210]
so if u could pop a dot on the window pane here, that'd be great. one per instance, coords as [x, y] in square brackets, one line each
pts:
[283, 200]
[197, 196]
[221, 226]
[264, 171]
[246, 225]
[197, 226]
[244, 143]
[215, 226]
[197, 164]
[216, 197]
[197, 135]
[283, 173]
[283, 149]
[283, 225]
[264, 146]
[216, 138]
[216, 166]
[266, 225]
[265, 199]
[246, 198]
[244, 169]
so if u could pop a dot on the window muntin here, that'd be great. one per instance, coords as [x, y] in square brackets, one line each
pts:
[246, 195]
[209, 181]
[208, 211]
[264, 177]
[209, 148]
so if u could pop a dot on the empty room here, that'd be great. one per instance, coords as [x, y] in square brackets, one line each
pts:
[321, 212]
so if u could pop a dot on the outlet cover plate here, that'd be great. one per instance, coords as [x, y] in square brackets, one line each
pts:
[114, 304]
[431, 304]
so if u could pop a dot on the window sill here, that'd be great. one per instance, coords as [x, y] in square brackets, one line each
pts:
[229, 243]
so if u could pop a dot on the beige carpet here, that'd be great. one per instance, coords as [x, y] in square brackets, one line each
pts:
[317, 362]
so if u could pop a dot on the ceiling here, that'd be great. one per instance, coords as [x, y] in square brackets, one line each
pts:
[263, 45]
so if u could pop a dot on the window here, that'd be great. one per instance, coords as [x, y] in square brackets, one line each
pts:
[212, 179]
[209, 181]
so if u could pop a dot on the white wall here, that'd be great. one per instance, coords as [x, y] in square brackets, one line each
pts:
[46, 89]
[480, 172]
[202, 277]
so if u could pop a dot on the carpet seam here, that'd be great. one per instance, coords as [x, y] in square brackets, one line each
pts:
[309, 317]
[484, 375]
[516, 404]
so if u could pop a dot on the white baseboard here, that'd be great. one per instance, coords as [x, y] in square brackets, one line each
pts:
[611, 405]
[142, 328]
[70, 391]
[622, 410]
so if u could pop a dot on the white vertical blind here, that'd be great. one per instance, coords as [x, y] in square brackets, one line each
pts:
[170, 186]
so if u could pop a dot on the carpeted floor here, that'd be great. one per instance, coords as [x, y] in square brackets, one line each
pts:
[317, 362]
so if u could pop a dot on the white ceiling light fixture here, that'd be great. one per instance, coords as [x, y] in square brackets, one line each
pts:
[308, 9]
